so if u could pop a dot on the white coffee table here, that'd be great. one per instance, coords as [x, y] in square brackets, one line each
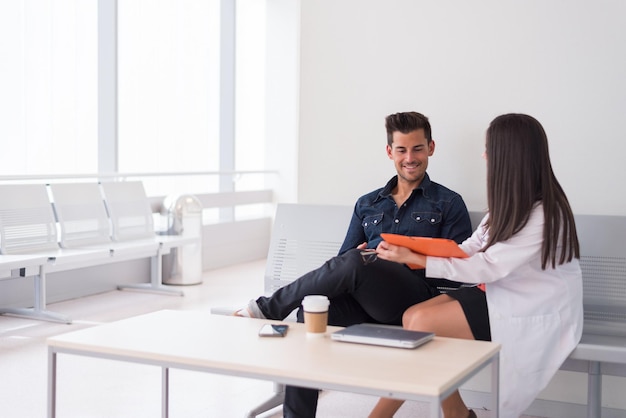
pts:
[231, 346]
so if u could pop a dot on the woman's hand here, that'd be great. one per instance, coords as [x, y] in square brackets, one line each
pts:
[398, 254]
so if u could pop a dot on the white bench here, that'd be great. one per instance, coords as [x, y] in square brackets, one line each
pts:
[28, 227]
[129, 209]
[18, 266]
[305, 236]
[98, 224]
[603, 263]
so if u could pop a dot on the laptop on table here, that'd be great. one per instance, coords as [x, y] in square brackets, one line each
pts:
[385, 335]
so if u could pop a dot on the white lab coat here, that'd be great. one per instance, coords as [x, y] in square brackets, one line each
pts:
[536, 315]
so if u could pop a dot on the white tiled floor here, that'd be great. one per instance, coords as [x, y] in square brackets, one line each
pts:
[98, 388]
[104, 388]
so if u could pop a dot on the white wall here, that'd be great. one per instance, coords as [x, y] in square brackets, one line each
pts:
[462, 63]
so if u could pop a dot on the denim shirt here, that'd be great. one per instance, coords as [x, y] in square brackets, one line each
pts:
[431, 210]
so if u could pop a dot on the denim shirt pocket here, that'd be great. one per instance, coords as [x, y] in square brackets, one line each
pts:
[432, 218]
[372, 222]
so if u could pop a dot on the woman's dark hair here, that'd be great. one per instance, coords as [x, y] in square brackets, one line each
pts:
[407, 122]
[519, 175]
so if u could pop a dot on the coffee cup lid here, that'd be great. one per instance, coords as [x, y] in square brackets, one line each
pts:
[315, 303]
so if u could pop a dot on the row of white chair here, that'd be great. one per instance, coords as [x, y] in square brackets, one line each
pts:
[98, 223]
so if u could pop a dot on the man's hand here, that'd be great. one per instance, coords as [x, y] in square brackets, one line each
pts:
[398, 254]
[361, 246]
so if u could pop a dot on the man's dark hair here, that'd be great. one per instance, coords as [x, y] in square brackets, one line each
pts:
[407, 122]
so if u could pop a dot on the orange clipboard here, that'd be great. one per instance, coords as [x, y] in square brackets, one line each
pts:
[436, 247]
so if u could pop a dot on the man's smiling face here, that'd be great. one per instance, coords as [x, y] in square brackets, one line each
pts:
[410, 153]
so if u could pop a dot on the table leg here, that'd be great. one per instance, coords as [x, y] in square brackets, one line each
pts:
[165, 392]
[495, 385]
[435, 409]
[52, 383]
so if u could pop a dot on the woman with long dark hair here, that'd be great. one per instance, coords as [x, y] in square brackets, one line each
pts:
[523, 257]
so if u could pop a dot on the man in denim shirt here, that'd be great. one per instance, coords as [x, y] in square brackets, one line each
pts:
[360, 287]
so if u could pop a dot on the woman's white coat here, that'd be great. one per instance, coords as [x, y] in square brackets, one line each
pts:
[536, 315]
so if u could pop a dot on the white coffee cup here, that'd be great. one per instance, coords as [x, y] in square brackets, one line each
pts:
[315, 314]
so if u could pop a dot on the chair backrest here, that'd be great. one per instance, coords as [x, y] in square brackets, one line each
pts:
[27, 222]
[603, 263]
[303, 238]
[475, 218]
[129, 210]
[81, 214]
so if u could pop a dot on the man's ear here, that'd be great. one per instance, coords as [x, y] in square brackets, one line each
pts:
[388, 148]
[431, 148]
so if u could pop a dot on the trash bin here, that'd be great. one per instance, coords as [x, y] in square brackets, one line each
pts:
[183, 265]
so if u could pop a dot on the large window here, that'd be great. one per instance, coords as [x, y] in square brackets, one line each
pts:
[250, 141]
[171, 83]
[48, 80]
[169, 87]
[173, 96]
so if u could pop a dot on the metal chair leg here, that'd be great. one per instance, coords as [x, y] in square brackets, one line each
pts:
[276, 400]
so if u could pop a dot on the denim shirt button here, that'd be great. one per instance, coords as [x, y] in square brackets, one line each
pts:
[397, 220]
[375, 221]
[418, 218]
[432, 220]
